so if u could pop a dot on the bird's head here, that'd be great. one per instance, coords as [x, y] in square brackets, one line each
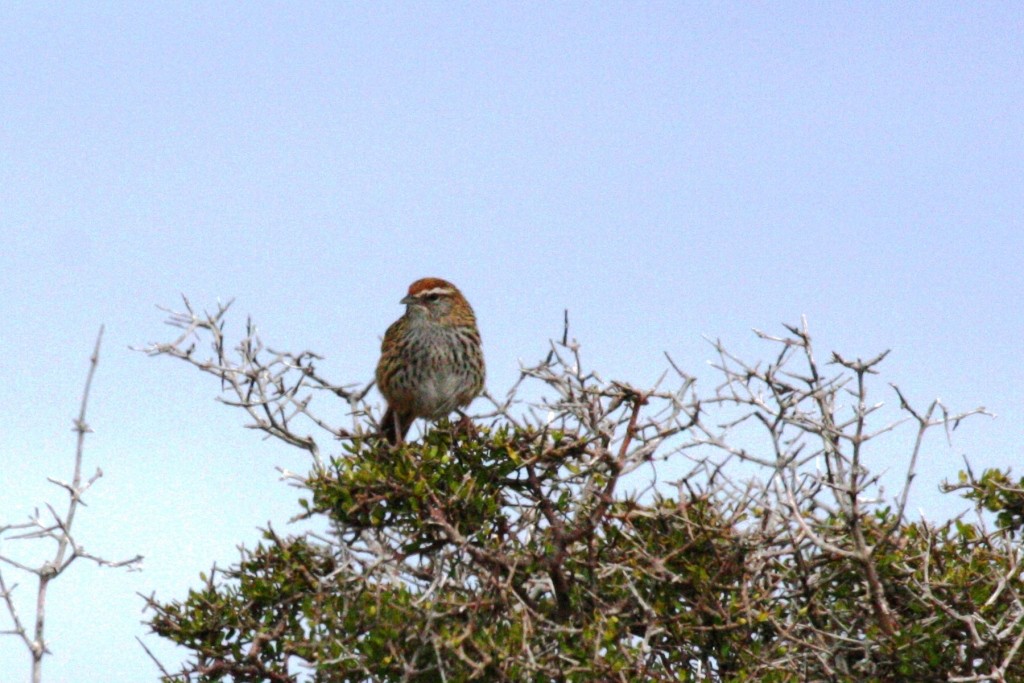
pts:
[435, 299]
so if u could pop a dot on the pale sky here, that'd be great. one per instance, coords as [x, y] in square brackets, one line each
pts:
[666, 171]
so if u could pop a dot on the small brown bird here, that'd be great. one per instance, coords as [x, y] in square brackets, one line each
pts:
[431, 361]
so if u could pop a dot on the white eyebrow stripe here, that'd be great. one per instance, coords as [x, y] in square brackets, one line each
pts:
[435, 290]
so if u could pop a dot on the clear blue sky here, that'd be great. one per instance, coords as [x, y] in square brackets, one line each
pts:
[663, 170]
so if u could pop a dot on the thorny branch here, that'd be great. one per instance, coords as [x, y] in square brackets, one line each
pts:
[275, 388]
[58, 528]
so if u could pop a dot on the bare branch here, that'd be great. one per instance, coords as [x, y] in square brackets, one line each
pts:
[59, 531]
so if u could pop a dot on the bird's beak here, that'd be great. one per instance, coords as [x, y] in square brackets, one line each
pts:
[408, 300]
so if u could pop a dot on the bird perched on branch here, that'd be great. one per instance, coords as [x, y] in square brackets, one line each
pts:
[431, 360]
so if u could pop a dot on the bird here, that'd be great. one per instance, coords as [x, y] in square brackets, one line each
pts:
[431, 358]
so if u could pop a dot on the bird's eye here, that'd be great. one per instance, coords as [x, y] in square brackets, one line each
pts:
[432, 297]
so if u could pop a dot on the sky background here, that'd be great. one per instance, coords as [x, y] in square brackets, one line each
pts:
[665, 171]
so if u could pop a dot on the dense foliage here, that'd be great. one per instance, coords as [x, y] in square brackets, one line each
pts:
[539, 545]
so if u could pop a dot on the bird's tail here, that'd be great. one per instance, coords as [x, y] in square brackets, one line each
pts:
[394, 426]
